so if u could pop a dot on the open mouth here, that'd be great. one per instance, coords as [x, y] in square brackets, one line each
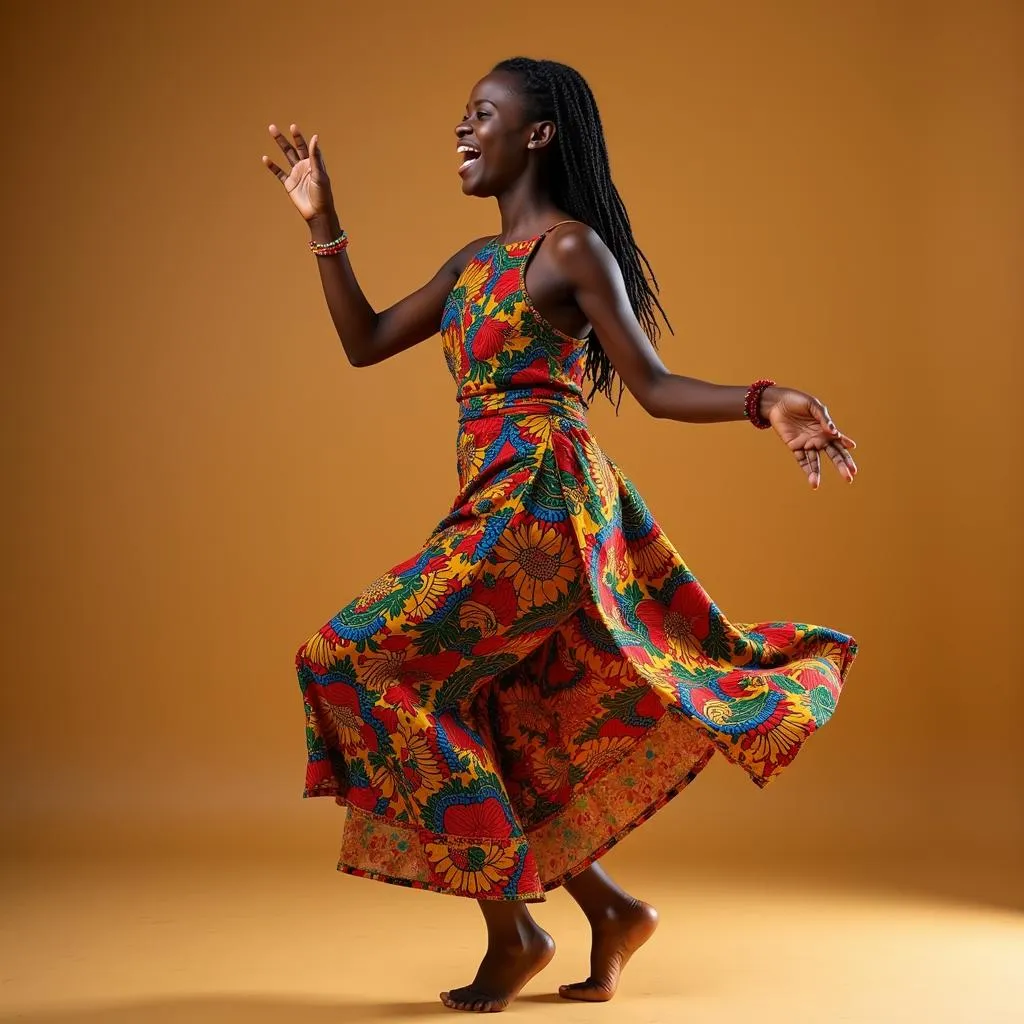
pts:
[469, 154]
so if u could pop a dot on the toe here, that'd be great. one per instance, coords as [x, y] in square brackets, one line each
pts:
[585, 991]
[470, 1001]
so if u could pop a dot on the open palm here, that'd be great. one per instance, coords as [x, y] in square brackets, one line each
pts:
[805, 426]
[306, 181]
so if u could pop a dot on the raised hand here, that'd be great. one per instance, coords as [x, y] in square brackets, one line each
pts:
[807, 429]
[306, 182]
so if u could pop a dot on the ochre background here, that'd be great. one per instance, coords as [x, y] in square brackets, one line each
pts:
[195, 479]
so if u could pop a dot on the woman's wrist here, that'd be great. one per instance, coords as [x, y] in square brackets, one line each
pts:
[324, 227]
[770, 397]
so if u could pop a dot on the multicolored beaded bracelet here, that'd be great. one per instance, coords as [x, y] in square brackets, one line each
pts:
[752, 404]
[340, 244]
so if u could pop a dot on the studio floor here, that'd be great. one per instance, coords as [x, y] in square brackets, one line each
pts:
[292, 942]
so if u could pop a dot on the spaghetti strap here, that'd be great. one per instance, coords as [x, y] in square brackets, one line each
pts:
[558, 225]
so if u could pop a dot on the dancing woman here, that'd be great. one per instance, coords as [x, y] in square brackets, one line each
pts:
[545, 672]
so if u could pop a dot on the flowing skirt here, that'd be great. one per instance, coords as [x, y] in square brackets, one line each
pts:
[542, 675]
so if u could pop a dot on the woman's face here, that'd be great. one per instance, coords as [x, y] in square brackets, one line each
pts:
[494, 137]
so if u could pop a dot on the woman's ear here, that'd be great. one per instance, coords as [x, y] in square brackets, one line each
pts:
[542, 134]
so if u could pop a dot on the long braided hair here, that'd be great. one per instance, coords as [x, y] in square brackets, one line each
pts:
[580, 182]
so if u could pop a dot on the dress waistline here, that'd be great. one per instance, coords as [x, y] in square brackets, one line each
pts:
[524, 402]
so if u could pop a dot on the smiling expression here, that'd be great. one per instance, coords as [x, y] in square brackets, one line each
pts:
[495, 141]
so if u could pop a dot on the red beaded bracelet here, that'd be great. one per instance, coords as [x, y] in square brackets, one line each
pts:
[340, 244]
[752, 405]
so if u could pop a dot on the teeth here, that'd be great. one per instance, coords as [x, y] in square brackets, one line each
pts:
[472, 153]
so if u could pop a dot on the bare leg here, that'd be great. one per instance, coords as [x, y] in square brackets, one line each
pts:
[517, 948]
[620, 925]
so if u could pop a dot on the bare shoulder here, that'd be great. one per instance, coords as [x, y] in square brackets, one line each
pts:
[578, 251]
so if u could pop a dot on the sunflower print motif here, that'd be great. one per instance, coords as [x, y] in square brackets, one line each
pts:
[535, 556]
[502, 707]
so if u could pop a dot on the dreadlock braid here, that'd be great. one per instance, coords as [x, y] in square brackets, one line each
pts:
[581, 184]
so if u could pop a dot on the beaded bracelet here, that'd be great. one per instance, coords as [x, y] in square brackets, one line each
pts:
[752, 404]
[340, 244]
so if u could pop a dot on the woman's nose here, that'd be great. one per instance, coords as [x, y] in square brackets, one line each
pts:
[462, 129]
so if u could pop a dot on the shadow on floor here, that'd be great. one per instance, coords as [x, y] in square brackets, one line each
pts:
[232, 1010]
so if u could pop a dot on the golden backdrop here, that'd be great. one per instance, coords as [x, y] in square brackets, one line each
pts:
[195, 478]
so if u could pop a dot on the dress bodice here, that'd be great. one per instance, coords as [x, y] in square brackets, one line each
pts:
[498, 347]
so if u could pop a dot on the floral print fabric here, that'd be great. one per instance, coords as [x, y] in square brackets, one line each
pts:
[545, 672]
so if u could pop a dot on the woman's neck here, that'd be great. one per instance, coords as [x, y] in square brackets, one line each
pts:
[525, 211]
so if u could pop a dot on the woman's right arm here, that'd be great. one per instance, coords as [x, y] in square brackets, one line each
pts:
[368, 337]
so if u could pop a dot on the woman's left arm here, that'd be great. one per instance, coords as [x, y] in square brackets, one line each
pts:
[799, 419]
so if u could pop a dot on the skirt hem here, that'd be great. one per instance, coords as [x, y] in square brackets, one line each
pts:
[644, 777]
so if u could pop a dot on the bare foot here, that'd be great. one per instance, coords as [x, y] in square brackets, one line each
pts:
[503, 972]
[616, 938]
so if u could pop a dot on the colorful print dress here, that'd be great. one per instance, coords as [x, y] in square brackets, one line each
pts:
[545, 672]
